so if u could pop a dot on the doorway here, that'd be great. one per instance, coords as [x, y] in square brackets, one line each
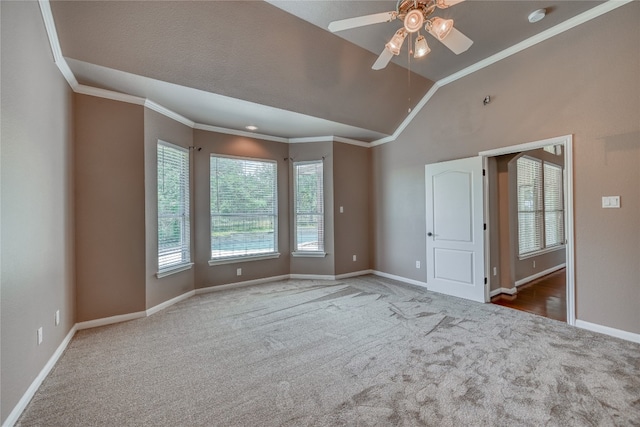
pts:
[529, 239]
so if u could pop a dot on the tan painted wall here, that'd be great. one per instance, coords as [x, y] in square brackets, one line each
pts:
[495, 280]
[157, 126]
[37, 269]
[351, 180]
[218, 143]
[110, 220]
[307, 152]
[555, 88]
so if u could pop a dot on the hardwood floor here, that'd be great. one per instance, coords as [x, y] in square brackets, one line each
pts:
[546, 296]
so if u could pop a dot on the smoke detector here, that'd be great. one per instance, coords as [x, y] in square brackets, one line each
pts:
[537, 15]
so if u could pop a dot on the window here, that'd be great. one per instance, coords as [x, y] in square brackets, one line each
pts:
[540, 205]
[553, 205]
[174, 223]
[244, 207]
[309, 206]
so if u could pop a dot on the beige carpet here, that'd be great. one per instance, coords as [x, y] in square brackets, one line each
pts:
[363, 351]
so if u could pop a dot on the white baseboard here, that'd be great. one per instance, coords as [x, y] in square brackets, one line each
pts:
[508, 291]
[33, 388]
[240, 284]
[312, 276]
[110, 320]
[538, 275]
[399, 278]
[163, 305]
[353, 274]
[618, 333]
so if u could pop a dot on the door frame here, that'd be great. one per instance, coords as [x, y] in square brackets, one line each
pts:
[567, 142]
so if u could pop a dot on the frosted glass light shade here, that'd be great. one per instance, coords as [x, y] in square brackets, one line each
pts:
[441, 27]
[396, 41]
[421, 48]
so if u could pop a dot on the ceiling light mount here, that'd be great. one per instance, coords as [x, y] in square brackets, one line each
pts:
[251, 127]
[413, 21]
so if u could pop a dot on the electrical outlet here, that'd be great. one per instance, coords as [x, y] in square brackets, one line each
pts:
[341, 209]
[534, 264]
[239, 272]
[417, 264]
[355, 258]
[39, 335]
[495, 271]
[57, 317]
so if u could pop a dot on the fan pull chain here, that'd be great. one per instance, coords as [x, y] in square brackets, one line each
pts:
[409, 54]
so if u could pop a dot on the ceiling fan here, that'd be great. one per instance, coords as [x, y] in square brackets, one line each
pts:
[414, 13]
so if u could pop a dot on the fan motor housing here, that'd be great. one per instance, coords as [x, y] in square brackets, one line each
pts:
[427, 7]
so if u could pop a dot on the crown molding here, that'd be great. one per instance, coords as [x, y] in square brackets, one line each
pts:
[239, 133]
[168, 113]
[352, 141]
[64, 68]
[54, 43]
[409, 117]
[108, 94]
[531, 41]
[538, 38]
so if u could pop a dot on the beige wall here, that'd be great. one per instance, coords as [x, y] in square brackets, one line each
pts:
[308, 152]
[37, 268]
[157, 126]
[110, 220]
[211, 142]
[351, 180]
[582, 82]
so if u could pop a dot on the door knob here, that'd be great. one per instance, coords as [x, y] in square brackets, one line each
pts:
[429, 234]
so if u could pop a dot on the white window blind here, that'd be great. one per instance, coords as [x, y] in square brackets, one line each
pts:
[309, 203]
[553, 205]
[244, 207]
[540, 205]
[174, 222]
[530, 205]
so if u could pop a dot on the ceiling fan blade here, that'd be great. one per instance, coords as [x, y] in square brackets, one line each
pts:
[443, 4]
[457, 42]
[361, 21]
[382, 60]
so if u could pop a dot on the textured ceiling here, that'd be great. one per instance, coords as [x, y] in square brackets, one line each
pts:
[274, 64]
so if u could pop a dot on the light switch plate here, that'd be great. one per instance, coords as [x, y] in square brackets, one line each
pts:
[609, 202]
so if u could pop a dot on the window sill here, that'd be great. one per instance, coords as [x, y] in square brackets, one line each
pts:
[302, 254]
[232, 260]
[173, 270]
[541, 252]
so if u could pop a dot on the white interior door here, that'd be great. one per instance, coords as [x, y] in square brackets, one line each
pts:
[455, 228]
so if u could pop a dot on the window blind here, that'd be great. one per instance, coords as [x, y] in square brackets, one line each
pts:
[174, 223]
[553, 205]
[244, 203]
[530, 205]
[309, 202]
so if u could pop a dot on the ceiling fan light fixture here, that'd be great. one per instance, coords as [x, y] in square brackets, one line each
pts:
[396, 41]
[413, 20]
[421, 47]
[440, 27]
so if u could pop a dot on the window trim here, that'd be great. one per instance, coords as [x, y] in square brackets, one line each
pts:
[184, 265]
[296, 251]
[251, 257]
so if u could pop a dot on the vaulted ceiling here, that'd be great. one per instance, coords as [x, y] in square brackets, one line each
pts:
[274, 64]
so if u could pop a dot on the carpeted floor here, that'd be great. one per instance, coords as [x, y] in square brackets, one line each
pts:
[358, 352]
